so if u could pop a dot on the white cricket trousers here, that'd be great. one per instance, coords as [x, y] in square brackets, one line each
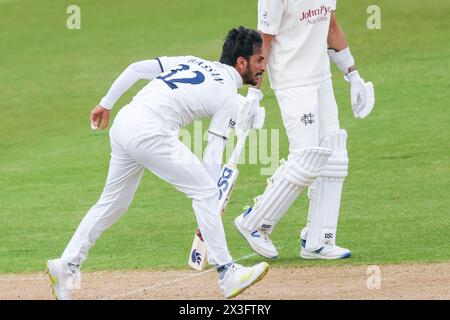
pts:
[309, 112]
[139, 140]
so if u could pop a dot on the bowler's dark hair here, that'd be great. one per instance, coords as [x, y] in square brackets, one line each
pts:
[240, 42]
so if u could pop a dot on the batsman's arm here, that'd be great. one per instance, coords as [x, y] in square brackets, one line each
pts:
[361, 93]
[270, 19]
[266, 45]
[338, 47]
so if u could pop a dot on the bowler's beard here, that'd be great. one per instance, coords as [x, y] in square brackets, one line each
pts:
[248, 78]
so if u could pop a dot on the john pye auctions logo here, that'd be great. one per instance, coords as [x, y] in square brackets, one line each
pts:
[317, 15]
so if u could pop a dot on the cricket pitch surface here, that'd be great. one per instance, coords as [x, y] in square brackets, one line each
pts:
[384, 282]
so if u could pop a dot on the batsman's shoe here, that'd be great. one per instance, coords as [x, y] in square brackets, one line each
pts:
[237, 278]
[258, 240]
[327, 252]
[62, 278]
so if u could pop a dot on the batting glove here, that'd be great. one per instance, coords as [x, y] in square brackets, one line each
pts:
[362, 95]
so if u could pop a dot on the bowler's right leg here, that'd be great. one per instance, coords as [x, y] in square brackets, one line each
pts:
[172, 161]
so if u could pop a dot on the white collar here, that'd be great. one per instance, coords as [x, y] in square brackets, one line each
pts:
[234, 74]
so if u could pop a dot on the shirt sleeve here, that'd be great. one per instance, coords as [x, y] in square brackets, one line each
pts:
[270, 14]
[225, 119]
[147, 69]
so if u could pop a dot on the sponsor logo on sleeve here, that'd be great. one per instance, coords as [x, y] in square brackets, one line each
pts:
[264, 19]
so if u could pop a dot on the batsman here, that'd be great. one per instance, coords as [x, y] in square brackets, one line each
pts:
[300, 37]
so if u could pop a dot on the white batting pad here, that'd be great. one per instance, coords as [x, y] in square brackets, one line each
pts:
[325, 194]
[284, 188]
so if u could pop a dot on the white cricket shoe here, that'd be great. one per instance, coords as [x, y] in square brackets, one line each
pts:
[62, 278]
[238, 278]
[258, 240]
[327, 252]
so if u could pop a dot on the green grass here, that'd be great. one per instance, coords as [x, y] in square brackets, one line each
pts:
[396, 200]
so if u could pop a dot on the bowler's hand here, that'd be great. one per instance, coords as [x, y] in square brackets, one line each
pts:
[99, 117]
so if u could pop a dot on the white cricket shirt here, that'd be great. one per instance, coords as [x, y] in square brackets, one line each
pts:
[191, 88]
[298, 55]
